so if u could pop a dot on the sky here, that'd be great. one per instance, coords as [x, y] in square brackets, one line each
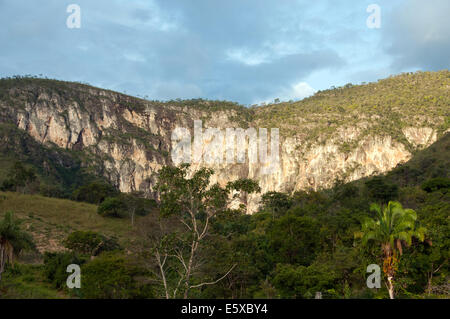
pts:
[246, 51]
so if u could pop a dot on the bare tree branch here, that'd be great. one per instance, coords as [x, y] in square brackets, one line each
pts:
[214, 282]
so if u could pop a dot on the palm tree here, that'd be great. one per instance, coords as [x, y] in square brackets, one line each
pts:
[12, 240]
[393, 228]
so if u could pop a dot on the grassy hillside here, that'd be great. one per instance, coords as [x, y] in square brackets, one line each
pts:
[380, 108]
[51, 220]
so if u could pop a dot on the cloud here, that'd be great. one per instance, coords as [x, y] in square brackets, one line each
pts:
[246, 57]
[135, 57]
[234, 50]
[237, 50]
[300, 90]
[270, 79]
[293, 92]
[417, 35]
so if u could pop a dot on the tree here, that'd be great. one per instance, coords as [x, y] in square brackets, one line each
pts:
[112, 207]
[435, 184]
[381, 191]
[20, 179]
[90, 243]
[114, 276]
[55, 266]
[276, 202]
[131, 204]
[12, 240]
[393, 228]
[136, 204]
[293, 281]
[94, 193]
[193, 203]
[294, 239]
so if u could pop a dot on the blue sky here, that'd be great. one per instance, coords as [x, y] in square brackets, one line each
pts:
[246, 51]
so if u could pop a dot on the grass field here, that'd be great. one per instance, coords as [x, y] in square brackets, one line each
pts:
[51, 220]
[28, 282]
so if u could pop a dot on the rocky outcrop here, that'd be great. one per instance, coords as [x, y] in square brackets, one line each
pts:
[420, 136]
[132, 140]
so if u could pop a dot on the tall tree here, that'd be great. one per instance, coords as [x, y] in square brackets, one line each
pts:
[193, 203]
[393, 228]
[12, 240]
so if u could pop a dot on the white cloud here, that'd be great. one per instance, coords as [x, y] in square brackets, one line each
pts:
[134, 57]
[300, 90]
[296, 91]
[417, 35]
[246, 57]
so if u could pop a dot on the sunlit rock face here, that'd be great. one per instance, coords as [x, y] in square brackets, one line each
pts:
[132, 139]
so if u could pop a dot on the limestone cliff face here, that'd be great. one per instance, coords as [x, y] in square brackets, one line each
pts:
[131, 140]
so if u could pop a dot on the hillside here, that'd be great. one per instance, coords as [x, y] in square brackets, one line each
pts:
[388, 107]
[51, 220]
[72, 134]
[340, 134]
[431, 162]
[322, 250]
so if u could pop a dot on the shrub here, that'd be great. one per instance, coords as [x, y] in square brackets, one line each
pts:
[90, 243]
[137, 204]
[435, 184]
[7, 185]
[113, 207]
[112, 276]
[94, 193]
[55, 267]
[21, 178]
[381, 191]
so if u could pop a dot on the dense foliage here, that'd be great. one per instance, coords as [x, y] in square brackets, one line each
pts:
[113, 276]
[55, 267]
[126, 205]
[58, 171]
[90, 243]
[296, 245]
[94, 193]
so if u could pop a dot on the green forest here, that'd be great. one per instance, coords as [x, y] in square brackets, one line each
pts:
[191, 245]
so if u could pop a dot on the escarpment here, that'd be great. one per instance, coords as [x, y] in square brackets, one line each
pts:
[340, 134]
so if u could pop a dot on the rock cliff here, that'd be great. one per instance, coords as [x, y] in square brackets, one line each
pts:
[130, 138]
